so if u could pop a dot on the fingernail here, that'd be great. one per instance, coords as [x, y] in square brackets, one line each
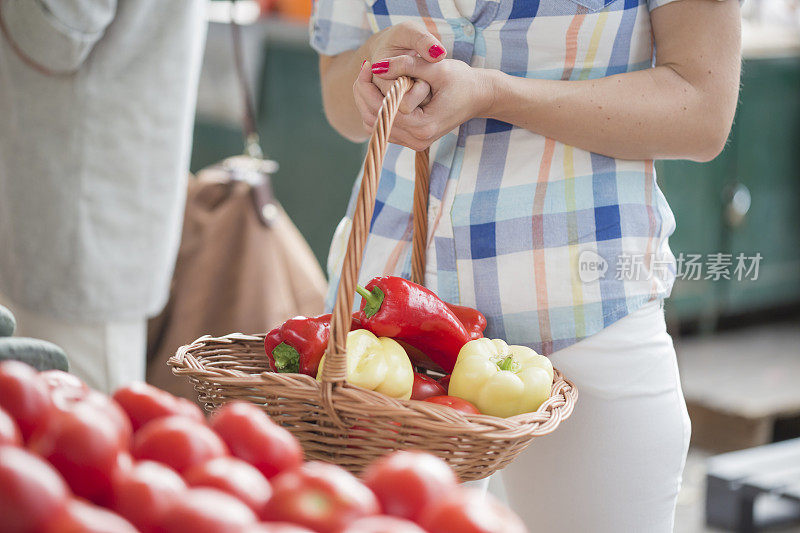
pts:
[364, 63]
[435, 51]
[381, 67]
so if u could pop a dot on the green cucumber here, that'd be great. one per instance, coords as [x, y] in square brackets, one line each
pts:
[7, 322]
[41, 355]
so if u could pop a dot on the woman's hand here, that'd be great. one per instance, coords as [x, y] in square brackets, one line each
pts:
[411, 39]
[337, 73]
[459, 93]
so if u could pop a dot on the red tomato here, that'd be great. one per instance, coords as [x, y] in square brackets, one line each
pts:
[207, 511]
[233, 476]
[382, 524]
[23, 395]
[64, 383]
[276, 527]
[31, 492]
[67, 398]
[444, 381]
[84, 444]
[143, 492]
[177, 442]
[320, 496]
[470, 511]
[143, 403]
[81, 517]
[406, 482]
[425, 387]
[9, 432]
[456, 403]
[254, 438]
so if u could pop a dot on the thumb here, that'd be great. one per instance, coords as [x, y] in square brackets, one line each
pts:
[422, 41]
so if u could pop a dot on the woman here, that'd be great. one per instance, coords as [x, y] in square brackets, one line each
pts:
[543, 119]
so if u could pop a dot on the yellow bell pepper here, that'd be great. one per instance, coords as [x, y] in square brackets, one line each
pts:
[501, 380]
[377, 363]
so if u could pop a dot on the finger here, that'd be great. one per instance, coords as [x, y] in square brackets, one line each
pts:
[415, 96]
[367, 97]
[406, 127]
[394, 67]
[406, 138]
[416, 37]
[382, 85]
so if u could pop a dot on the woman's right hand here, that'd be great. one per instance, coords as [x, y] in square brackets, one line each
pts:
[406, 38]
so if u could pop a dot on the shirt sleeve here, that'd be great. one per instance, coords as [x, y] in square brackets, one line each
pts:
[337, 26]
[56, 34]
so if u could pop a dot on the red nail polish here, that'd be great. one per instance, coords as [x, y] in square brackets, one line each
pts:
[435, 51]
[364, 63]
[380, 67]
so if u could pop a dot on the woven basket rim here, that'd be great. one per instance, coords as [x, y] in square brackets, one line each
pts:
[563, 391]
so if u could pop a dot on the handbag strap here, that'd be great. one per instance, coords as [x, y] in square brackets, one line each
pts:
[250, 130]
[264, 201]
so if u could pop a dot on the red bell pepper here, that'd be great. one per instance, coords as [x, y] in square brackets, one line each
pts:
[298, 344]
[473, 320]
[397, 308]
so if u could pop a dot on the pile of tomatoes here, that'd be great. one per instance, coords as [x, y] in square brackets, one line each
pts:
[75, 460]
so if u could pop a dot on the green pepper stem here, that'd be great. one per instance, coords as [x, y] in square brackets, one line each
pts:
[373, 299]
[363, 292]
[507, 363]
[287, 359]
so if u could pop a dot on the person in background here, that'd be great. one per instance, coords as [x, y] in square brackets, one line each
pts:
[97, 102]
[543, 119]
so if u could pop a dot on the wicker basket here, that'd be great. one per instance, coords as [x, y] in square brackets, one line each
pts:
[347, 425]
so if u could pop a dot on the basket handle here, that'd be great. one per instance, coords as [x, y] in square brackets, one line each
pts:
[335, 368]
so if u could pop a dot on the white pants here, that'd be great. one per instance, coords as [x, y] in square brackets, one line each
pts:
[106, 355]
[615, 465]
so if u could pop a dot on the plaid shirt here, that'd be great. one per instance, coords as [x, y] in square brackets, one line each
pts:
[552, 243]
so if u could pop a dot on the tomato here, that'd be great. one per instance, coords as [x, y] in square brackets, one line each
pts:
[254, 438]
[233, 476]
[425, 387]
[320, 496]
[177, 442]
[276, 527]
[382, 524]
[84, 445]
[444, 381]
[64, 383]
[82, 517]
[143, 403]
[143, 492]
[9, 432]
[31, 491]
[456, 403]
[66, 398]
[470, 511]
[406, 482]
[205, 510]
[23, 395]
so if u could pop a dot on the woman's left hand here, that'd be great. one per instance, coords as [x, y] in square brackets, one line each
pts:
[458, 93]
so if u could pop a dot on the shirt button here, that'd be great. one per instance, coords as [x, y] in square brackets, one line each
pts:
[469, 30]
